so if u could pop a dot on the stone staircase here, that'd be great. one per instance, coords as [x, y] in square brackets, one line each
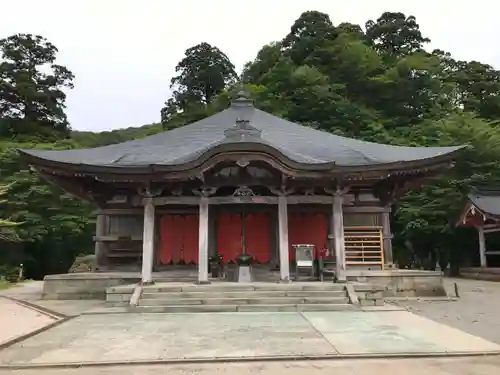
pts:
[232, 297]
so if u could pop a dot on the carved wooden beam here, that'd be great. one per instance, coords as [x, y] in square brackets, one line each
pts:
[243, 191]
[70, 186]
[339, 190]
[205, 191]
[149, 191]
[282, 191]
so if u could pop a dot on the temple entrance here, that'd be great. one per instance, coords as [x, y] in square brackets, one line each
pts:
[178, 239]
[248, 233]
[307, 229]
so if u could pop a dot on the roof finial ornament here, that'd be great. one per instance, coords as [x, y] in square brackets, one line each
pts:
[242, 130]
[242, 94]
[242, 98]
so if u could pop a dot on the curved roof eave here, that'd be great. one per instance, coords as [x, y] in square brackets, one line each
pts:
[187, 163]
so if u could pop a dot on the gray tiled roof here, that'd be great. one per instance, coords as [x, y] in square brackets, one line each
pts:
[299, 143]
[486, 200]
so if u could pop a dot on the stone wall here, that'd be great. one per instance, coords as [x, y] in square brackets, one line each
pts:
[84, 285]
[401, 283]
[119, 295]
[478, 273]
[370, 295]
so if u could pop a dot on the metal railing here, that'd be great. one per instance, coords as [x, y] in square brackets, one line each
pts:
[364, 246]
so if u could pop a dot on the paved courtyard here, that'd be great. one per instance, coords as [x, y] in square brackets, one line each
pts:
[164, 337]
[150, 337]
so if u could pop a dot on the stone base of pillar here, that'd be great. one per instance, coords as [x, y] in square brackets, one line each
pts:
[390, 266]
[284, 281]
[340, 278]
[202, 282]
[147, 283]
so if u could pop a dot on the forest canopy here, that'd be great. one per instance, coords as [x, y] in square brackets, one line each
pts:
[377, 82]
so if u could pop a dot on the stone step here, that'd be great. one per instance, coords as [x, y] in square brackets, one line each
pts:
[244, 301]
[245, 294]
[234, 287]
[241, 308]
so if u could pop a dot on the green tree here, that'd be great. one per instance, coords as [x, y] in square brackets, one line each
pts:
[55, 226]
[394, 34]
[409, 91]
[479, 86]
[203, 73]
[353, 31]
[7, 226]
[426, 217]
[312, 30]
[32, 98]
[265, 60]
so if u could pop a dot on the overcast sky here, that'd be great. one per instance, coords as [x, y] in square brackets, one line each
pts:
[123, 52]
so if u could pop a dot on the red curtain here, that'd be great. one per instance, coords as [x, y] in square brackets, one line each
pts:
[307, 229]
[190, 238]
[229, 233]
[178, 239]
[166, 239]
[257, 237]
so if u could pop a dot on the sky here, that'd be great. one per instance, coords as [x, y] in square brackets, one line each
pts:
[124, 52]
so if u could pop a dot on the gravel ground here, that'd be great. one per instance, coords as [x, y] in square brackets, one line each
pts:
[476, 312]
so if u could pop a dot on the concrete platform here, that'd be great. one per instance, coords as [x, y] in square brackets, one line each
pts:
[136, 338]
[90, 285]
[401, 282]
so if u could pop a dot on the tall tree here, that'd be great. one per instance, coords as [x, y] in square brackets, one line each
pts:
[395, 34]
[479, 85]
[32, 98]
[265, 60]
[352, 30]
[310, 31]
[203, 73]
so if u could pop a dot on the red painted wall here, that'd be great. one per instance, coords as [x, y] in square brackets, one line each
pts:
[307, 229]
[178, 239]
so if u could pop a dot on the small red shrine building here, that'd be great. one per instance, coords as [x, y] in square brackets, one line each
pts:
[482, 211]
[240, 181]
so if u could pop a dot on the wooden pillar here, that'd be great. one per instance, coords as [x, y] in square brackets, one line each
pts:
[338, 227]
[148, 241]
[203, 242]
[274, 232]
[387, 236]
[212, 233]
[100, 247]
[283, 238]
[482, 247]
